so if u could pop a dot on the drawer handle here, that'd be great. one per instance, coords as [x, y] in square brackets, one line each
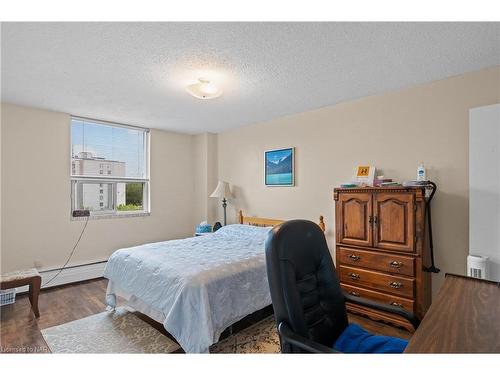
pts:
[354, 276]
[354, 257]
[396, 304]
[353, 293]
[396, 285]
[396, 264]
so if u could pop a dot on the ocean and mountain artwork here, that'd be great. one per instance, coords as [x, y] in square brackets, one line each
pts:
[279, 167]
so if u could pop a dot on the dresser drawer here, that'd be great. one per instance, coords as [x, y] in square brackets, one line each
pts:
[398, 285]
[377, 261]
[406, 304]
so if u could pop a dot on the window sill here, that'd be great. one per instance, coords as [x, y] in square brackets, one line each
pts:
[111, 216]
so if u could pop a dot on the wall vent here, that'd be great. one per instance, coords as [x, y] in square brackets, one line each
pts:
[477, 266]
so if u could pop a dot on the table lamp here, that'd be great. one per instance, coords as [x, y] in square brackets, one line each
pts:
[222, 191]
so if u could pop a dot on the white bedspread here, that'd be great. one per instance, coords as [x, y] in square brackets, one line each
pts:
[202, 285]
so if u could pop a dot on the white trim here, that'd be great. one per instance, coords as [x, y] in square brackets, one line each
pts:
[146, 198]
[113, 180]
[70, 275]
[111, 215]
[106, 179]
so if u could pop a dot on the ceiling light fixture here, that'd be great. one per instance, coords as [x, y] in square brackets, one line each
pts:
[204, 89]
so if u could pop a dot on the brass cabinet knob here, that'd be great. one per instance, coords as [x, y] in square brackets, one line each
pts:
[354, 276]
[353, 293]
[396, 304]
[395, 285]
[354, 257]
[396, 264]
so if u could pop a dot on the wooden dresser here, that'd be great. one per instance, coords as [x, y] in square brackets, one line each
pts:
[381, 248]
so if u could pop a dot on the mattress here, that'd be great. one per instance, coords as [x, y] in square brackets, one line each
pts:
[198, 286]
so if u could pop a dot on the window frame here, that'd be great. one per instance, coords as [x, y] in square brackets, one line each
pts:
[106, 179]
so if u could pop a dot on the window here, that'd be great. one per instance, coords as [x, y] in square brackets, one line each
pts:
[122, 151]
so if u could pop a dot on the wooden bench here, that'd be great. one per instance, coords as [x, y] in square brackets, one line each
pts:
[29, 277]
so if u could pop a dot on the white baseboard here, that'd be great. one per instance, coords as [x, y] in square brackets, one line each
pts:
[70, 275]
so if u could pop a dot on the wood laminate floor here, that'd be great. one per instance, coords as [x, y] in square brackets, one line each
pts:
[20, 331]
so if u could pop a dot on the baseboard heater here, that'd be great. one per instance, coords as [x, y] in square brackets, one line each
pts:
[70, 274]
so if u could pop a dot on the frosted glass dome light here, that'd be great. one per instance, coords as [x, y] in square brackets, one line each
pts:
[204, 89]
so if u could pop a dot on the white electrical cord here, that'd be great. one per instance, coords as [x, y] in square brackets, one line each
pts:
[70, 255]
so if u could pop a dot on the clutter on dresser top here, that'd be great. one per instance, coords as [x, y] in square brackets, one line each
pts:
[365, 176]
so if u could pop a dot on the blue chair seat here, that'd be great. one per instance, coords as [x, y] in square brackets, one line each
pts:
[355, 339]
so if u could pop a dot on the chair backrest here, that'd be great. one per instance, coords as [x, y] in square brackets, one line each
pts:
[304, 286]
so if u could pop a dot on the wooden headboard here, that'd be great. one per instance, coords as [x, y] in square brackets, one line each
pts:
[263, 222]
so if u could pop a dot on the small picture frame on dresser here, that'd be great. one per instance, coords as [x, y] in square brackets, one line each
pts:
[364, 175]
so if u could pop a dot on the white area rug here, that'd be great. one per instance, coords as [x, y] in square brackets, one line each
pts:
[260, 338]
[123, 332]
[108, 332]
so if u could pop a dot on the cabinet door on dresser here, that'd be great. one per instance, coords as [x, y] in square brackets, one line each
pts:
[394, 221]
[354, 214]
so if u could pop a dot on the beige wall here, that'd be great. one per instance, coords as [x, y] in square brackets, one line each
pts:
[36, 223]
[205, 174]
[393, 131]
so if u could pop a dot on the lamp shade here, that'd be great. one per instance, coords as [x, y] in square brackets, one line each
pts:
[221, 191]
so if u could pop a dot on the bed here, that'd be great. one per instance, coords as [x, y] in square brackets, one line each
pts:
[196, 287]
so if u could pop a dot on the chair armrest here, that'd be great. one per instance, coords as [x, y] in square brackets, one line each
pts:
[415, 322]
[301, 342]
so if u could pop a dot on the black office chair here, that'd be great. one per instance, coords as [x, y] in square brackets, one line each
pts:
[309, 305]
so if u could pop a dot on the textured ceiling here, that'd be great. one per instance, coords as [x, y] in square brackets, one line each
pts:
[136, 73]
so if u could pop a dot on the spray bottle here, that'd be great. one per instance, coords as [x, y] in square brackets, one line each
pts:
[421, 172]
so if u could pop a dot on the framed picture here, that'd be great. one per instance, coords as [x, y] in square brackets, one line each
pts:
[279, 167]
[364, 175]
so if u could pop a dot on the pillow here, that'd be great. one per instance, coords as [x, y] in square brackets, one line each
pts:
[240, 230]
[355, 339]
